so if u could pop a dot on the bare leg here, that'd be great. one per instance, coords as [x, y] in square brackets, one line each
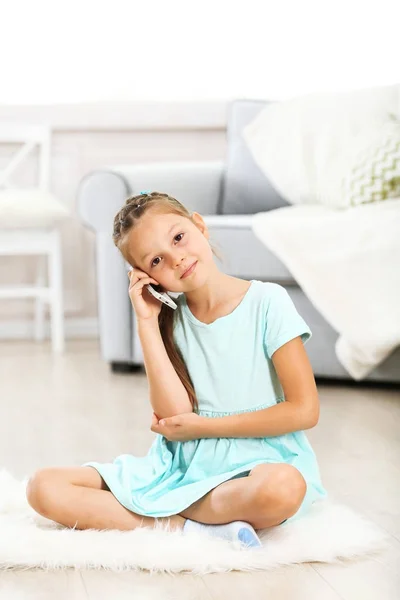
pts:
[271, 494]
[78, 497]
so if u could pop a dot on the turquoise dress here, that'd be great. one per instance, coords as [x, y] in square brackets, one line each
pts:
[230, 365]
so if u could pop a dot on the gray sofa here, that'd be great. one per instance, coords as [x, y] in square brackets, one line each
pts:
[227, 194]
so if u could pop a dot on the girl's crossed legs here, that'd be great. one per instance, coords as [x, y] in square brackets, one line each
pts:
[78, 497]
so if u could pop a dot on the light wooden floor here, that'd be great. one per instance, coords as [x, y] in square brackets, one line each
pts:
[71, 409]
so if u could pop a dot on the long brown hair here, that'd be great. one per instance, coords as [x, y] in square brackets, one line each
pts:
[129, 215]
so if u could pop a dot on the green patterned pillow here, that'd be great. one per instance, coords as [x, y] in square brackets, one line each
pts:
[374, 174]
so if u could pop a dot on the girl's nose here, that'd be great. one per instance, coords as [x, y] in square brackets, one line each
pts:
[179, 260]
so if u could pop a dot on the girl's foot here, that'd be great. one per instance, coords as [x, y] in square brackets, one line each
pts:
[235, 531]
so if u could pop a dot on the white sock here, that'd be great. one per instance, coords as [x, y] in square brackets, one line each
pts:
[235, 531]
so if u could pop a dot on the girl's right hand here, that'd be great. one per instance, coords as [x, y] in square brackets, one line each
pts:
[144, 304]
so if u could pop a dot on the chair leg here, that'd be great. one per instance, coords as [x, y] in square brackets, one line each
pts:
[56, 294]
[39, 301]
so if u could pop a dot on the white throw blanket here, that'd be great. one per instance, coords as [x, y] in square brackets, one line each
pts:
[344, 255]
[348, 264]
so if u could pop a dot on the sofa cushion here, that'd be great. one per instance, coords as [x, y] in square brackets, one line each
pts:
[246, 190]
[243, 255]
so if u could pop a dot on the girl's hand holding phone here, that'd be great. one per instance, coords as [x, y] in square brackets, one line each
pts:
[144, 304]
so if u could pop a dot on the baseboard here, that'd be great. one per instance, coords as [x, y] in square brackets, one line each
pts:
[22, 329]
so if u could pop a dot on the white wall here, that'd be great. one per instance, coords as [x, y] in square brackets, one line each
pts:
[86, 50]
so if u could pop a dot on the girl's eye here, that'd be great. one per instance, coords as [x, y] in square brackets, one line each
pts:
[177, 236]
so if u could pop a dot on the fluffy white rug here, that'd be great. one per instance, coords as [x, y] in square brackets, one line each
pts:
[328, 533]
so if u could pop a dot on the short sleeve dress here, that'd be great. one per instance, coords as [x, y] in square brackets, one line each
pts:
[229, 362]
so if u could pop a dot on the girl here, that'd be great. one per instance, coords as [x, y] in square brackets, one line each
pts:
[231, 388]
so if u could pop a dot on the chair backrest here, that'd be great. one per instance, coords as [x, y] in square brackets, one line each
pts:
[30, 136]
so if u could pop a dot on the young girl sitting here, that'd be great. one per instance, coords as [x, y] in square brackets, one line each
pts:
[231, 388]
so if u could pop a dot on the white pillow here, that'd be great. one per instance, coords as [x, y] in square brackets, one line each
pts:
[29, 208]
[374, 172]
[306, 145]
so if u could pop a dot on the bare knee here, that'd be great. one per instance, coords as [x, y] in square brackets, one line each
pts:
[283, 488]
[39, 489]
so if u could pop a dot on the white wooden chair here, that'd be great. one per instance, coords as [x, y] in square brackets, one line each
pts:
[28, 226]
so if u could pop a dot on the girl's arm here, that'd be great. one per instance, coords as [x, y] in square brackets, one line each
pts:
[299, 411]
[168, 396]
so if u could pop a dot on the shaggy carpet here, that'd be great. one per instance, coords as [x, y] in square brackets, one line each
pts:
[328, 533]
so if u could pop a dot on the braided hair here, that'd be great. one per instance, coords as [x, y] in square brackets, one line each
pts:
[127, 217]
[133, 209]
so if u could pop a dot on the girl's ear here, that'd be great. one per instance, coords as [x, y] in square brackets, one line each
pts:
[200, 224]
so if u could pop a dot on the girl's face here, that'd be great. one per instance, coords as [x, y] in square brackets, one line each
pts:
[164, 245]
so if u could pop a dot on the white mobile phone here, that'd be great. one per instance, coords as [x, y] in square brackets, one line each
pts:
[161, 296]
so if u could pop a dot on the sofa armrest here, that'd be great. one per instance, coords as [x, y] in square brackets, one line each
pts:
[102, 193]
[100, 196]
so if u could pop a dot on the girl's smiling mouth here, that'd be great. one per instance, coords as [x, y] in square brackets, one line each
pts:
[190, 270]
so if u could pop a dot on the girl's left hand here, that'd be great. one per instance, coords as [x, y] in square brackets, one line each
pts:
[181, 428]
